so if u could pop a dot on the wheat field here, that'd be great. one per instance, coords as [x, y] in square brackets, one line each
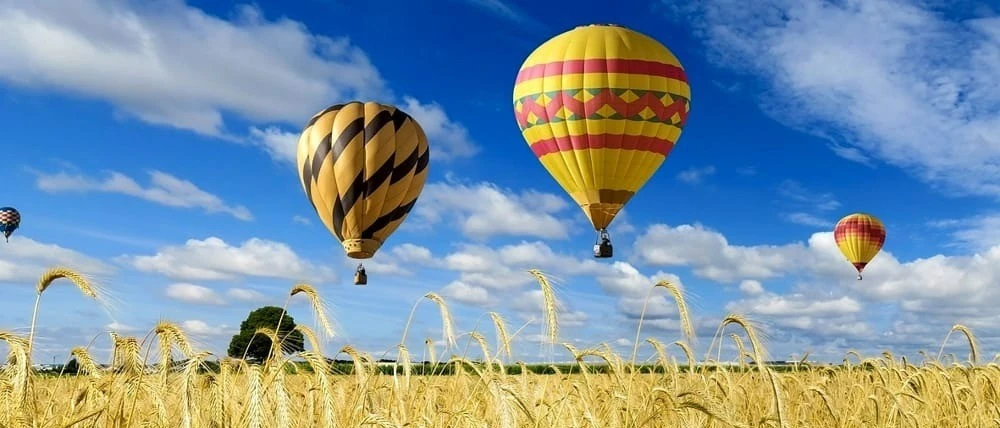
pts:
[161, 381]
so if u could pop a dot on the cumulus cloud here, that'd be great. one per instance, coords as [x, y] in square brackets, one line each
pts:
[214, 259]
[172, 64]
[751, 287]
[164, 189]
[858, 72]
[710, 254]
[397, 260]
[531, 305]
[24, 260]
[940, 290]
[201, 328]
[191, 293]
[450, 139]
[977, 233]
[484, 210]
[506, 267]
[465, 293]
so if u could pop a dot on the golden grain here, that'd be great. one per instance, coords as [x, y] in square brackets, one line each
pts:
[604, 392]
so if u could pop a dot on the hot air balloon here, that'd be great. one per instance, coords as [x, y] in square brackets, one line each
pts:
[10, 220]
[860, 237]
[362, 166]
[601, 106]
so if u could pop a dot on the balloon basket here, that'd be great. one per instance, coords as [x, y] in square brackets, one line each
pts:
[360, 276]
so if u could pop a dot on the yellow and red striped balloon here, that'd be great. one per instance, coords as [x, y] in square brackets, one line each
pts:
[601, 106]
[860, 237]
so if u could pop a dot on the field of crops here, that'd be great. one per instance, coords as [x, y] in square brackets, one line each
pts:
[305, 389]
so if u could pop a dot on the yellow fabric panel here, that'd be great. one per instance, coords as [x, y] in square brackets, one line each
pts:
[306, 148]
[585, 127]
[349, 165]
[603, 42]
[630, 177]
[407, 144]
[379, 151]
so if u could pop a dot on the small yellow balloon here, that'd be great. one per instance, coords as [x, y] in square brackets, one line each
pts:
[859, 237]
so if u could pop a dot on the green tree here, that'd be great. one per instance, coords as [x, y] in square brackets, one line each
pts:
[72, 367]
[260, 345]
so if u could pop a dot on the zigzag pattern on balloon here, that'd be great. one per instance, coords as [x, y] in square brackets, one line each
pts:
[601, 103]
[362, 166]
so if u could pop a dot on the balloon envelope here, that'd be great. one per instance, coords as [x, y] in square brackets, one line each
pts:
[362, 166]
[10, 220]
[601, 107]
[860, 237]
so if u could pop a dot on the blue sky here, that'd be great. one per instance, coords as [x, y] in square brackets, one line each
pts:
[150, 145]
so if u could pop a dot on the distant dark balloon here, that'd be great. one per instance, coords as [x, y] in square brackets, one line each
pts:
[10, 219]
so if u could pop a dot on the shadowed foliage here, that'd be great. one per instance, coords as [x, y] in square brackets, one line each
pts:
[260, 345]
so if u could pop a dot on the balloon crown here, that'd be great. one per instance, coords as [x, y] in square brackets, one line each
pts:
[601, 25]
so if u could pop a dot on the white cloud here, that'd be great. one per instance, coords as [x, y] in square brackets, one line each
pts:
[531, 305]
[941, 290]
[214, 259]
[396, 261]
[410, 253]
[191, 293]
[484, 210]
[890, 78]
[449, 139]
[796, 305]
[245, 295]
[820, 316]
[173, 64]
[710, 254]
[202, 329]
[465, 293]
[977, 233]
[25, 260]
[806, 219]
[623, 279]
[301, 220]
[506, 267]
[121, 328]
[751, 287]
[164, 189]
[280, 145]
[695, 175]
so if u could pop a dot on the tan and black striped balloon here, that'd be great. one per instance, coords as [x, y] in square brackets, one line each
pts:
[362, 166]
